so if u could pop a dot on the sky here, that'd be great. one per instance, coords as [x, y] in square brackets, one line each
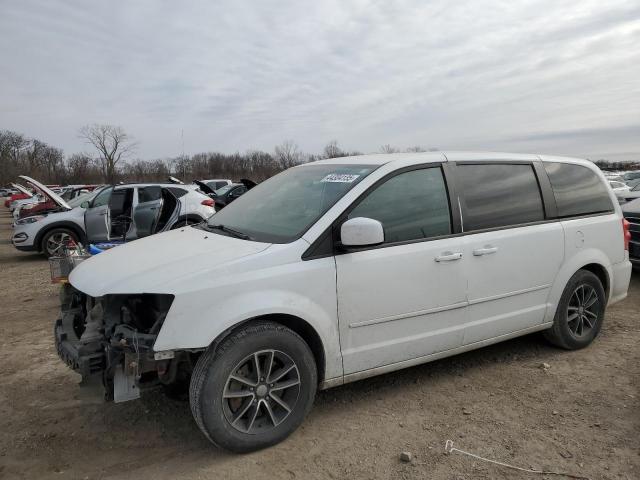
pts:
[545, 76]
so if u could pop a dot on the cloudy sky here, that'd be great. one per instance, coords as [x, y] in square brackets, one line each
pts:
[550, 76]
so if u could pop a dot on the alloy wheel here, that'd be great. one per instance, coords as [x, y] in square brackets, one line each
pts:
[261, 391]
[583, 310]
[57, 242]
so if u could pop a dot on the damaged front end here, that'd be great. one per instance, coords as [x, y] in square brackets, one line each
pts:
[110, 339]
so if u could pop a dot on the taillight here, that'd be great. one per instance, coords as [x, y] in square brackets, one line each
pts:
[626, 233]
[207, 202]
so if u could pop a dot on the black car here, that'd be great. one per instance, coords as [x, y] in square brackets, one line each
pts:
[631, 212]
[227, 194]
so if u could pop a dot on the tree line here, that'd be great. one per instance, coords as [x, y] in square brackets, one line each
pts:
[112, 160]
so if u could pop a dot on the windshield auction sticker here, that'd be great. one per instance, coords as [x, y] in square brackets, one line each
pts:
[340, 178]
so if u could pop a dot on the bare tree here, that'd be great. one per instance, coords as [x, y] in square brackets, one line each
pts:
[112, 142]
[288, 154]
[332, 150]
[388, 149]
[416, 149]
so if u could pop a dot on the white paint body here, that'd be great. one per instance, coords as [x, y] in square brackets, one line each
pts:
[375, 310]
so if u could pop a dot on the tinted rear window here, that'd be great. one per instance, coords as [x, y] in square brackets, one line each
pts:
[499, 195]
[178, 192]
[577, 189]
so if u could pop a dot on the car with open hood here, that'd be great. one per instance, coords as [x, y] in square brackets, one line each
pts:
[121, 212]
[23, 196]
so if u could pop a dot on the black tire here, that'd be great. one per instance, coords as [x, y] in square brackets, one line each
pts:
[212, 378]
[566, 332]
[46, 244]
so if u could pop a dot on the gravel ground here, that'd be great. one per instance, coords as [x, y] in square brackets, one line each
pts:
[577, 414]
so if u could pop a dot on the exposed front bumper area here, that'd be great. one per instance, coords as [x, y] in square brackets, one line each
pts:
[110, 340]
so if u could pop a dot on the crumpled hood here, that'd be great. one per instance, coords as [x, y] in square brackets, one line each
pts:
[156, 264]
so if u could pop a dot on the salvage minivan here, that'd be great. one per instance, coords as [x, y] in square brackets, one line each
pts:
[342, 269]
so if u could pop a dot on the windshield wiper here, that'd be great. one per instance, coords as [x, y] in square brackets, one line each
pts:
[231, 231]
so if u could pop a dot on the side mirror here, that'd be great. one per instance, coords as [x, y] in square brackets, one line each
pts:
[361, 232]
[84, 204]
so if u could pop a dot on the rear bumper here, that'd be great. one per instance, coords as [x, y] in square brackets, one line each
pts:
[620, 278]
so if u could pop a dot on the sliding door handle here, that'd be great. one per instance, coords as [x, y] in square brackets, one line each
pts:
[448, 257]
[488, 250]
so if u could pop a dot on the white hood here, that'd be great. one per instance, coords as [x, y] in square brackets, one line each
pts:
[22, 189]
[159, 263]
[47, 191]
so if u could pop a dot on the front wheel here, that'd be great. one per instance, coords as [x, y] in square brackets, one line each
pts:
[580, 312]
[55, 241]
[255, 388]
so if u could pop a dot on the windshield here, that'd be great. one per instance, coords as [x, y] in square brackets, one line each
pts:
[636, 188]
[282, 208]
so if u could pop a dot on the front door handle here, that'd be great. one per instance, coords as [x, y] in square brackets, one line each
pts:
[102, 214]
[448, 257]
[487, 250]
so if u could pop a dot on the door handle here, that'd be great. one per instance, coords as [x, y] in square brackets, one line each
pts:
[102, 214]
[448, 257]
[487, 250]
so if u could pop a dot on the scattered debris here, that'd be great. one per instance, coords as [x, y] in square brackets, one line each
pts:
[449, 449]
[545, 366]
[406, 457]
[555, 412]
[466, 411]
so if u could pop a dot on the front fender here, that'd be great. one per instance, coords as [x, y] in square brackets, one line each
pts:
[192, 325]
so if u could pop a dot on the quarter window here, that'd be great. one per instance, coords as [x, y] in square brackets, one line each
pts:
[577, 190]
[410, 206]
[499, 195]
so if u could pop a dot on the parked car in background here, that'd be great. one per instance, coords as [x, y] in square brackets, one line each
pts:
[631, 212]
[341, 269]
[127, 211]
[214, 183]
[631, 194]
[76, 190]
[633, 177]
[227, 194]
[620, 189]
[16, 197]
[44, 203]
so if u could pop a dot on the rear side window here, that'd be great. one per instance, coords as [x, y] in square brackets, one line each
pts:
[149, 194]
[577, 189]
[410, 206]
[499, 195]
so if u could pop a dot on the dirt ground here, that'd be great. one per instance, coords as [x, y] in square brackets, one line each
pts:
[581, 415]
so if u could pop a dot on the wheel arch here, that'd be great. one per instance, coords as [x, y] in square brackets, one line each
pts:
[66, 224]
[592, 260]
[300, 326]
[601, 272]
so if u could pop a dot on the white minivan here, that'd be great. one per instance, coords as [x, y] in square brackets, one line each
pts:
[341, 269]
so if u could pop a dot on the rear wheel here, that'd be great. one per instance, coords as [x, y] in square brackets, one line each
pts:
[255, 388]
[54, 241]
[580, 312]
